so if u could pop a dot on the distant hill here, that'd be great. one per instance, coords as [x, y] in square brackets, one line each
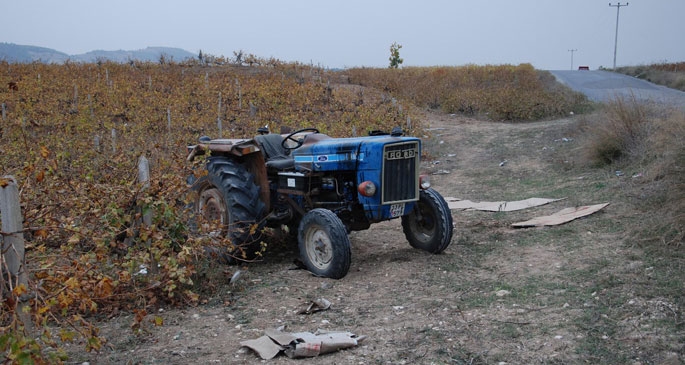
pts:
[17, 53]
[151, 54]
[22, 54]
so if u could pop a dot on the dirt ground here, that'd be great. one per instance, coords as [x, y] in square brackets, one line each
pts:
[575, 293]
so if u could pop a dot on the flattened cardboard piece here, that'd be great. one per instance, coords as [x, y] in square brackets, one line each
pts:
[501, 206]
[301, 344]
[562, 216]
[280, 337]
[264, 347]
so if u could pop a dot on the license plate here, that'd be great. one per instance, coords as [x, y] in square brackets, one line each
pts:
[396, 210]
[400, 154]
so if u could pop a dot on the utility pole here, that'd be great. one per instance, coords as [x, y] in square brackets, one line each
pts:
[618, 10]
[572, 50]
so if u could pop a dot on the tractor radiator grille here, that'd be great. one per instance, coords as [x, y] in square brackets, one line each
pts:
[400, 172]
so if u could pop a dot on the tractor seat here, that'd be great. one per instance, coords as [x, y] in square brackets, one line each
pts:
[275, 155]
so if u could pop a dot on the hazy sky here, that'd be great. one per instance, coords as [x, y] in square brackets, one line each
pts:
[359, 33]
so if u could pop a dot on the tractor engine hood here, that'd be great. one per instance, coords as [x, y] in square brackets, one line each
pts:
[358, 153]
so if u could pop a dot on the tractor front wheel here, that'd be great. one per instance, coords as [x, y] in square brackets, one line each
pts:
[429, 226]
[324, 244]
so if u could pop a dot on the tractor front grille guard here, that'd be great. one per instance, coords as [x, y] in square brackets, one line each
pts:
[400, 172]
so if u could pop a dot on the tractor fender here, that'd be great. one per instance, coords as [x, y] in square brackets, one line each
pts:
[235, 147]
[246, 152]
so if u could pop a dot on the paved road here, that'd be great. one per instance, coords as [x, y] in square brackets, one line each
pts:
[603, 86]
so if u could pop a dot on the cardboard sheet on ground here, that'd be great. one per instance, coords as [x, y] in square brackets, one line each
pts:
[502, 206]
[301, 344]
[562, 216]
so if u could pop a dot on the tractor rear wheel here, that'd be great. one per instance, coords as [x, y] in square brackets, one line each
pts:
[324, 244]
[230, 205]
[429, 226]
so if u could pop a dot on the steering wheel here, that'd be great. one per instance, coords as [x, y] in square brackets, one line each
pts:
[298, 142]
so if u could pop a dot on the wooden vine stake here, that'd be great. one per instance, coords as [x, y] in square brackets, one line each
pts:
[75, 101]
[114, 140]
[96, 144]
[168, 127]
[144, 180]
[90, 106]
[218, 115]
[240, 94]
[13, 260]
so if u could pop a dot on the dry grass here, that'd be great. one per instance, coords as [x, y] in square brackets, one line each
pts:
[668, 74]
[504, 92]
[621, 133]
[645, 142]
[669, 178]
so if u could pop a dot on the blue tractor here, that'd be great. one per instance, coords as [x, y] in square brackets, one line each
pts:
[321, 188]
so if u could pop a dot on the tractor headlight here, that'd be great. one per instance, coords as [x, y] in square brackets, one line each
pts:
[424, 182]
[367, 188]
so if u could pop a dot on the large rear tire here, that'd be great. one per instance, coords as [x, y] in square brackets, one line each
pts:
[429, 226]
[324, 244]
[229, 202]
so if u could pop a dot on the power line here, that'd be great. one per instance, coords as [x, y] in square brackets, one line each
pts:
[572, 50]
[618, 9]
